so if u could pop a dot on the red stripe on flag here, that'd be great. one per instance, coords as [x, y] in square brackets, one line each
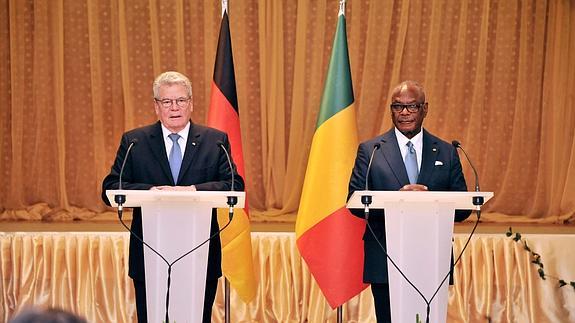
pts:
[224, 117]
[327, 255]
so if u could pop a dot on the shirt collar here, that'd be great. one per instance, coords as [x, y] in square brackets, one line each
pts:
[402, 140]
[183, 133]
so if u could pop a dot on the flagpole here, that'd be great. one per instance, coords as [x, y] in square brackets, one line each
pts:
[341, 7]
[340, 308]
[224, 6]
[227, 310]
[227, 301]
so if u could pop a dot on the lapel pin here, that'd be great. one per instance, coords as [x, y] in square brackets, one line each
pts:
[434, 149]
[193, 143]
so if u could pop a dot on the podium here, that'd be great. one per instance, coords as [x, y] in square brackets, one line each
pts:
[174, 222]
[418, 232]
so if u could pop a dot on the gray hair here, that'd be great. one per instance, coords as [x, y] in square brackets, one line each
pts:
[171, 78]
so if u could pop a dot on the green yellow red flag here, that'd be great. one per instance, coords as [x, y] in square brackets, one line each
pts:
[329, 237]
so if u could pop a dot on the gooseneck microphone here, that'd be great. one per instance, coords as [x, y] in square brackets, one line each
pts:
[477, 200]
[366, 199]
[232, 200]
[120, 199]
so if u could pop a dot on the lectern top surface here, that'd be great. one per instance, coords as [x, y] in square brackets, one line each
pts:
[460, 200]
[135, 198]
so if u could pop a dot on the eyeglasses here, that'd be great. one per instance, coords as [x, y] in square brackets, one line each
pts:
[167, 103]
[412, 107]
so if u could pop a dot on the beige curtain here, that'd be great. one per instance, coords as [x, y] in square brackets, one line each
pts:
[87, 273]
[76, 74]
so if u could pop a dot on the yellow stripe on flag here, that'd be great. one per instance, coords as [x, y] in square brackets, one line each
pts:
[237, 264]
[325, 189]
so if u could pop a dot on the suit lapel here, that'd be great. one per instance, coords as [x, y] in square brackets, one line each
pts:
[392, 155]
[158, 148]
[194, 139]
[430, 151]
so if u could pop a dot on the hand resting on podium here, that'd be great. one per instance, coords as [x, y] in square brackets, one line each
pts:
[191, 188]
[413, 187]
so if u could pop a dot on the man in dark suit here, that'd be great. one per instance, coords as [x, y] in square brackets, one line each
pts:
[408, 158]
[173, 154]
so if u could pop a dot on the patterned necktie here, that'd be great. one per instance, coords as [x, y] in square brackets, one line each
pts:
[175, 158]
[411, 163]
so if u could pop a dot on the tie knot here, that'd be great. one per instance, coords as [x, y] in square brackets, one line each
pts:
[410, 146]
[174, 137]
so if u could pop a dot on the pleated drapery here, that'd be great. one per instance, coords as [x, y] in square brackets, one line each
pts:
[87, 273]
[76, 74]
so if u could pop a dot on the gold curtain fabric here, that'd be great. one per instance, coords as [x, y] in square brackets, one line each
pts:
[500, 78]
[87, 274]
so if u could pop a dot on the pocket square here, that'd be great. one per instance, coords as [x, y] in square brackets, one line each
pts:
[438, 163]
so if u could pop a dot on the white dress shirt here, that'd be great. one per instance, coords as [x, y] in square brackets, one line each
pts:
[417, 142]
[181, 141]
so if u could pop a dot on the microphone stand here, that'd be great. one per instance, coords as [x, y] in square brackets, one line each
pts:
[232, 201]
[120, 199]
[366, 201]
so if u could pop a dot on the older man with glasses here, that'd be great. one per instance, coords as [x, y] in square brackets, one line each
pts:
[407, 157]
[172, 154]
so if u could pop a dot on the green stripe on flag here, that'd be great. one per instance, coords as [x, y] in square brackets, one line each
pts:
[338, 90]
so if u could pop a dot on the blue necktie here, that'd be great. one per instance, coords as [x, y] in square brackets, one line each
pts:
[175, 158]
[411, 163]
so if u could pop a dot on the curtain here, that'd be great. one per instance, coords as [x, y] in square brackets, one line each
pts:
[76, 74]
[86, 273]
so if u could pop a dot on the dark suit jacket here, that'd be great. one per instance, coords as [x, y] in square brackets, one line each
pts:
[388, 174]
[204, 165]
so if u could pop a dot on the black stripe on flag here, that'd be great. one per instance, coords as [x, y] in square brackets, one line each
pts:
[224, 66]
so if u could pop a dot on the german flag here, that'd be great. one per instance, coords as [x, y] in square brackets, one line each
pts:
[329, 237]
[237, 261]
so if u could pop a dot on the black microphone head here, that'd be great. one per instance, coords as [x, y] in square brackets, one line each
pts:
[134, 141]
[377, 146]
[456, 143]
[219, 143]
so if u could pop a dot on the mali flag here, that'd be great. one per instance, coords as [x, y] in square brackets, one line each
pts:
[237, 261]
[329, 237]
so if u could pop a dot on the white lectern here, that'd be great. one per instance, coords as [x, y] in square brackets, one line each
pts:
[174, 222]
[418, 231]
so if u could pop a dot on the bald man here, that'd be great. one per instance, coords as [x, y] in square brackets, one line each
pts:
[408, 158]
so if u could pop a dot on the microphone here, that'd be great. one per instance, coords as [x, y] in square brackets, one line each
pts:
[120, 199]
[477, 200]
[366, 199]
[232, 200]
